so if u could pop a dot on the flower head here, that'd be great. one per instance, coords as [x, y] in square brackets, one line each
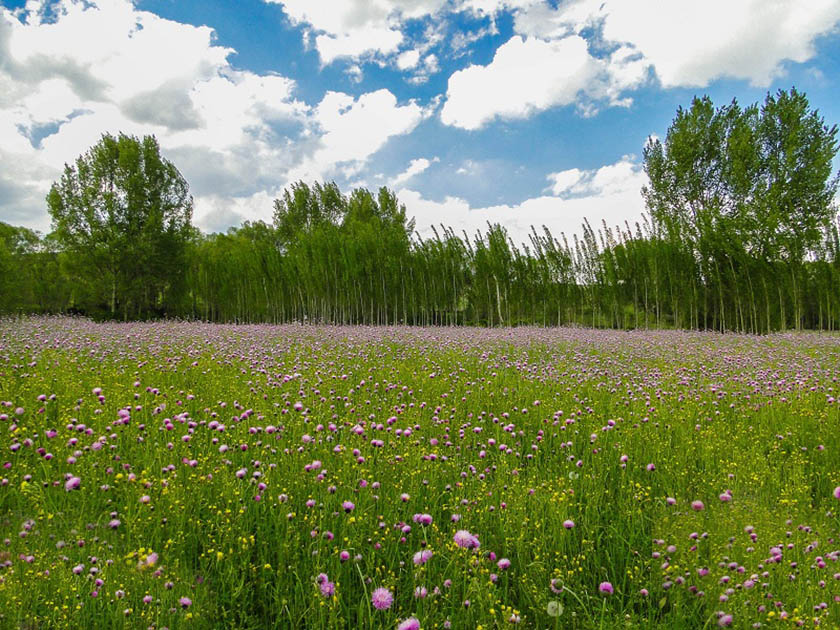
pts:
[605, 588]
[382, 598]
[466, 540]
[409, 624]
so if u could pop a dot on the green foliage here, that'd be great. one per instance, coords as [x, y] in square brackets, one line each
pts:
[200, 441]
[123, 214]
[741, 235]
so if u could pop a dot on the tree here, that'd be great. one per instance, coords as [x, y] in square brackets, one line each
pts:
[745, 185]
[124, 214]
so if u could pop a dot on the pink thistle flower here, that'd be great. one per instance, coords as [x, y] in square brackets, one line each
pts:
[423, 519]
[382, 598]
[466, 540]
[605, 588]
[409, 624]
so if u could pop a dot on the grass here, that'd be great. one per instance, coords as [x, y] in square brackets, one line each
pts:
[503, 433]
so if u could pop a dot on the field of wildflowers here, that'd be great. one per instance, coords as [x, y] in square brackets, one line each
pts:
[182, 475]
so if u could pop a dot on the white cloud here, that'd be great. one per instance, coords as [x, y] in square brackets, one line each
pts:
[354, 28]
[415, 167]
[357, 43]
[216, 213]
[353, 129]
[563, 181]
[525, 76]
[101, 67]
[408, 59]
[626, 175]
[692, 43]
[609, 193]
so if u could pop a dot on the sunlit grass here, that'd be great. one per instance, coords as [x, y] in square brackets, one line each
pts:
[223, 469]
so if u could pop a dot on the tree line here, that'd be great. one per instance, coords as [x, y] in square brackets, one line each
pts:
[740, 234]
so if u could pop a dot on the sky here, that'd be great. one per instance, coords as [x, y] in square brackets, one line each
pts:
[522, 112]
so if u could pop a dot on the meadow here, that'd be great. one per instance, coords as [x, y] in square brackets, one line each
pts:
[189, 476]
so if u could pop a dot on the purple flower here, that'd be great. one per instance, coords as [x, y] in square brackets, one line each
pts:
[423, 519]
[837, 492]
[697, 506]
[327, 588]
[466, 540]
[382, 598]
[185, 602]
[568, 524]
[605, 588]
[422, 557]
[72, 484]
[409, 624]
[503, 564]
[348, 506]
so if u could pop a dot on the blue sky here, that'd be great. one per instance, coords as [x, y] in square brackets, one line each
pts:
[517, 111]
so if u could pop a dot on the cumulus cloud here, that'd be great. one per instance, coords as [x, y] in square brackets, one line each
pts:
[593, 53]
[353, 129]
[609, 193]
[415, 167]
[99, 67]
[692, 43]
[526, 75]
[353, 28]
[408, 59]
[624, 176]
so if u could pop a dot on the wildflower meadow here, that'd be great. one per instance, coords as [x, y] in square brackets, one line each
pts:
[194, 476]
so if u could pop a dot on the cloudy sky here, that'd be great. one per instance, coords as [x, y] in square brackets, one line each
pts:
[527, 112]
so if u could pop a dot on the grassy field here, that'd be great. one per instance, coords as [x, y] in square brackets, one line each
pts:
[179, 475]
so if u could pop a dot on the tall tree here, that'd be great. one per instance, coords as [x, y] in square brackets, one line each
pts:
[744, 185]
[124, 214]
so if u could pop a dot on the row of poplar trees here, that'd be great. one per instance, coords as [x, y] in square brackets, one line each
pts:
[740, 234]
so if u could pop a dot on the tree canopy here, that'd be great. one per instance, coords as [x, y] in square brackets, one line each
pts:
[124, 212]
[741, 234]
[737, 185]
